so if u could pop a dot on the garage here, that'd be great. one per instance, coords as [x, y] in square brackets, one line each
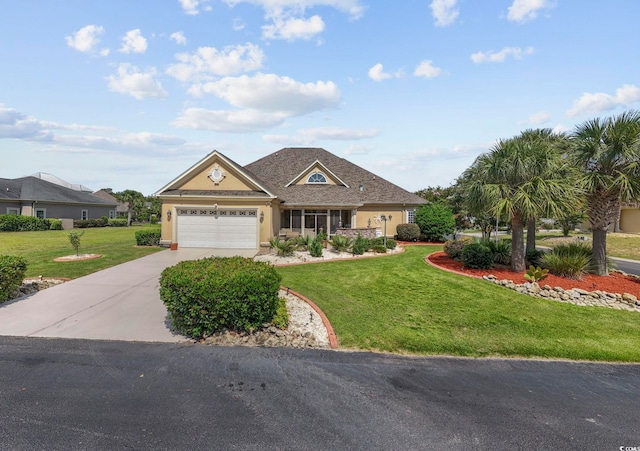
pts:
[217, 228]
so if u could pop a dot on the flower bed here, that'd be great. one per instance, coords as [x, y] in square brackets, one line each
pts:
[613, 283]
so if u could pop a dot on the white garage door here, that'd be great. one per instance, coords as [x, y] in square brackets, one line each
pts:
[217, 228]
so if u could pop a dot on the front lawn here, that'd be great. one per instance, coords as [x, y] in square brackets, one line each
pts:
[115, 244]
[400, 304]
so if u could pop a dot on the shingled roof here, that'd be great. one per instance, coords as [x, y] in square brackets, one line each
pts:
[30, 189]
[278, 169]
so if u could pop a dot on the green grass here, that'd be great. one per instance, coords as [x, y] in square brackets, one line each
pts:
[115, 244]
[620, 245]
[400, 304]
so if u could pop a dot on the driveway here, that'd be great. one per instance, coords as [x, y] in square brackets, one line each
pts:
[119, 303]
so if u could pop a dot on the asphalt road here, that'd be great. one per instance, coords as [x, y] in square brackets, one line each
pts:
[77, 394]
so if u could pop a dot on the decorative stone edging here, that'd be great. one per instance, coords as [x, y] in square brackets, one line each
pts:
[333, 340]
[576, 296]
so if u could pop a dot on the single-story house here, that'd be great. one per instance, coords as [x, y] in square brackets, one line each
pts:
[35, 196]
[122, 208]
[218, 203]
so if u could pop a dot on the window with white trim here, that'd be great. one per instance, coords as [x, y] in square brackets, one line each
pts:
[411, 216]
[112, 214]
[317, 177]
[84, 214]
[41, 213]
[13, 211]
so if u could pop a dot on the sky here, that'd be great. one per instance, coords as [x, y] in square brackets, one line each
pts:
[128, 94]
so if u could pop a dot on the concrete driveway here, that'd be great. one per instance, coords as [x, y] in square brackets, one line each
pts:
[119, 303]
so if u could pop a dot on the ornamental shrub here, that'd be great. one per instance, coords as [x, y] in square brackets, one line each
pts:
[501, 250]
[408, 232]
[341, 243]
[148, 237]
[303, 242]
[90, 223]
[391, 243]
[533, 256]
[360, 245]
[283, 248]
[315, 248]
[379, 248]
[571, 260]
[435, 221]
[55, 224]
[12, 270]
[117, 222]
[211, 294]
[477, 255]
[281, 318]
[19, 223]
[453, 248]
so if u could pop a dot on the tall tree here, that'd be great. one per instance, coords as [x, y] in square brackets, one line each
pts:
[541, 140]
[607, 151]
[519, 180]
[132, 199]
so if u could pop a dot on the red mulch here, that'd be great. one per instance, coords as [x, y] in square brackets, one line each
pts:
[613, 283]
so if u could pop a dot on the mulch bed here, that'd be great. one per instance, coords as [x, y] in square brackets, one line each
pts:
[613, 283]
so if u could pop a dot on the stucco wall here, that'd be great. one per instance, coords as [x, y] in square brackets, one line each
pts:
[202, 181]
[630, 220]
[398, 216]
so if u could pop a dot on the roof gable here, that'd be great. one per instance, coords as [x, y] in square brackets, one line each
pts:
[316, 167]
[215, 172]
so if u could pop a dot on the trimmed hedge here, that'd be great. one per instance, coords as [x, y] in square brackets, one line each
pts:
[148, 237]
[55, 224]
[19, 223]
[408, 232]
[90, 223]
[209, 295]
[118, 222]
[12, 270]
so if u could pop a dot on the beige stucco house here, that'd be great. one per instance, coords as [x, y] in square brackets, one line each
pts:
[295, 191]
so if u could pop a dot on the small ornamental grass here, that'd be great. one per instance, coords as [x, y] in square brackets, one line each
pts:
[571, 260]
[209, 295]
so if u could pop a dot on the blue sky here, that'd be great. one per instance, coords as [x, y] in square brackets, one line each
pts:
[129, 94]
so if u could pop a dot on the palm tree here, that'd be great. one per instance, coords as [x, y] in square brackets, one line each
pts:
[519, 179]
[607, 151]
[132, 199]
[539, 139]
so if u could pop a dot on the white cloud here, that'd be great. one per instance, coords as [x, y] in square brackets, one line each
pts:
[599, 101]
[179, 38]
[240, 121]
[238, 24]
[277, 7]
[272, 93]
[209, 61]
[293, 28]
[538, 118]
[426, 69]
[309, 136]
[377, 73]
[501, 56]
[130, 80]
[525, 10]
[560, 129]
[444, 12]
[133, 42]
[192, 7]
[85, 39]
[358, 149]
[287, 17]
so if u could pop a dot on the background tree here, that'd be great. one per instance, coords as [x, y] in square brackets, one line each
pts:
[607, 152]
[133, 200]
[519, 180]
[435, 221]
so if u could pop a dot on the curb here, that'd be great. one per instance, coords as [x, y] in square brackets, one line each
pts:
[333, 340]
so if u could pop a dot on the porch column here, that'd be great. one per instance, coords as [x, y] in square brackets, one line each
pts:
[353, 218]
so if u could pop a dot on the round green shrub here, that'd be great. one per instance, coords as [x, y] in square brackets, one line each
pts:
[435, 221]
[408, 232]
[391, 243]
[12, 270]
[379, 248]
[55, 224]
[209, 295]
[150, 237]
[476, 255]
[453, 248]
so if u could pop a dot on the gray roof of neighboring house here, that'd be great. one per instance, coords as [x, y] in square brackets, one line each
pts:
[120, 206]
[30, 189]
[278, 169]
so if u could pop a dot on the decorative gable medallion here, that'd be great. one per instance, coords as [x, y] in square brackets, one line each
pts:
[217, 174]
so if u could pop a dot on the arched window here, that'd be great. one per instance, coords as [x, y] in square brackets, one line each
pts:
[317, 177]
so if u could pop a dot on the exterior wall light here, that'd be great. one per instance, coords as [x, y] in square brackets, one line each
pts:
[168, 215]
[261, 215]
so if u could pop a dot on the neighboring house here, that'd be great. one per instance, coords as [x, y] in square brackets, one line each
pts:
[295, 191]
[122, 208]
[35, 196]
[629, 218]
